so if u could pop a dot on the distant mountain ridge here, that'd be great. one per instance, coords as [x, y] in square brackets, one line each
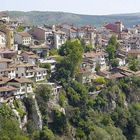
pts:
[40, 18]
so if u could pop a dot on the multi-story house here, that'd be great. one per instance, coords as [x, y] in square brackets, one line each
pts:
[4, 63]
[51, 61]
[23, 85]
[14, 88]
[8, 72]
[4, 68]
[23, 38]
[6, 92]
[40, 74]
[115, 28]
[29, 57]
[30, 71]
[8, 53]
[59, 39]
[70, 30]
[40, 50]
[52, 37]
[87, 34]
[43, 34]
[94, 58]
[24, 70]
[132, 42]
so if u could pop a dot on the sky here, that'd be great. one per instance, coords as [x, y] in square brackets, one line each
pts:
[90, 7]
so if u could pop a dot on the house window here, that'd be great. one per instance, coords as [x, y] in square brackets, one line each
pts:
[22, 84]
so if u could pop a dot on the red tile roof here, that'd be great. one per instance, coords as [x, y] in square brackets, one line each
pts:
[83, 70]
[30, 54]
[93, 54]
[3, 80]
[111, 27]
[7, 88]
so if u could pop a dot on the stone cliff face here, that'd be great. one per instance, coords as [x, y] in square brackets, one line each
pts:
[21, 110]
[27, 109]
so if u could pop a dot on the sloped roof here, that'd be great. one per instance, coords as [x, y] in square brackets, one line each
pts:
[2, 60]
[21, 80]
[24, 34]
[3, 80]
[111, 27]
[30, 54]
[39, 69]
[93, 54]
[7, 88]
[43, 46]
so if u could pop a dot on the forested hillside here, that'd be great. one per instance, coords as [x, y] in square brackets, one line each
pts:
[112, 114]
[40, 18]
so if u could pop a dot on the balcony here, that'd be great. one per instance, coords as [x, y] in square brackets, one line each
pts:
[40, 78]
[30, 75]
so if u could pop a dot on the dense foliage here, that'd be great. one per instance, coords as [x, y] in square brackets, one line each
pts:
[9, 127]
[112, 113]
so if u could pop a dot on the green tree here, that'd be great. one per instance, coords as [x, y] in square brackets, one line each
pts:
[112, 47]
[100, 80]
[115, 133]
[137, 133]
[46, 134]
[111, 51]
[43, 95]
[133, 63]
[20, 29]
[72, 52]
[113, 40]
[100, 134]
[9, 126]
[98, 67]
[62, 98]
[114, 63]
[80, 135]
[59, 122]
[53, 52]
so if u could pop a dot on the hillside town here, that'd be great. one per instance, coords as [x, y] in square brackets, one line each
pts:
[23, 49]
[66, 81]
